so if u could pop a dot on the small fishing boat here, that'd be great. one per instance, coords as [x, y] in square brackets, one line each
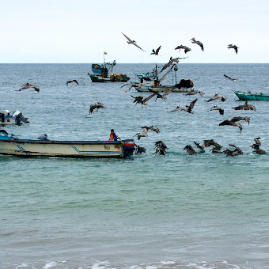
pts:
[103, 73]
[16, 118]
[250, 96]
[150, 82]
[11, 145]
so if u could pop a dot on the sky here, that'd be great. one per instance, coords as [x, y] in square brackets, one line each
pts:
[79, 31]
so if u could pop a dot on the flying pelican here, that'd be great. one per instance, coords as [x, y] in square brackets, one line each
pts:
[27, 86]
[190, 150]
[221, 110]
[156, 52]
[96, 106]
[70, 81]
[185, 48]
[156, 130]
[194, 41]
[246, 106]
[143, 134]
[211, 142]
[193, 92]
[132, 42]
[140, 100]
[199, 146]
[186, 108]
[233, 79]
[163, 97]
[171, 61]
[231, 46]
[216, 97]
[233, 122]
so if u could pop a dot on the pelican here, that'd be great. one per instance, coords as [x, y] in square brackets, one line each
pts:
[256, 146]
[96, 106]
[139, 150]
[160, 148]
[186, 108]
[194, 41]
[185, 48]
[163, 97]
[156, 52]
[171, 61]
[246, 106]
[211, 142]
[233, 79]
[190, 150]
[132, 42]
[231, 46]
[193, 92]
[27, 86]
[216, 97]
[140, 100]
[143, 134]
[156, 130]
[221, 110]
[70, 81]
[199, 146]
[233, 122]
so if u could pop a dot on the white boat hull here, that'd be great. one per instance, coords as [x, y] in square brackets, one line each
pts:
[160, 89]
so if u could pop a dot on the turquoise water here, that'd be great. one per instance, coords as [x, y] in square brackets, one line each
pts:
[172, 211]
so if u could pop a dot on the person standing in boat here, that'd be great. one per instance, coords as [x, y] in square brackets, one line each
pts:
[113, 136]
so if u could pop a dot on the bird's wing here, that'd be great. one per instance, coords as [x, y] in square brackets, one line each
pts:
[75, 81]
[166, 65]
[127, 37]
[148, 98]
[192, 104]
[235, 119]
[165, 94]
[145, 130]
[226, 122]
[138, 46]
[157, 51]
[92, 107]
[221, 111]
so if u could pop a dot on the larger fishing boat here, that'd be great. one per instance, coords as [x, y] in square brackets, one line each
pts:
[250, 96]
[148, 82]
[103, 73]
[11, 145]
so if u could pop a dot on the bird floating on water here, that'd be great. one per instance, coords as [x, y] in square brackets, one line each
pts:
[246, 106]
[160, 148]
[190, 150]
[237, 151]
[132, 42]
[139, 150]
[27, 86]
[231, 46]
[194, 41]
[96, 106]
[70, 81]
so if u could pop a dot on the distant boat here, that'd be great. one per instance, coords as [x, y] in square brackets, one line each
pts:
[16, 118]
[103, 73]
[250, 96]
[11, 145]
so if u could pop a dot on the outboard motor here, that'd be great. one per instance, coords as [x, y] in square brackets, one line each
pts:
[128, 147]
[20, 117]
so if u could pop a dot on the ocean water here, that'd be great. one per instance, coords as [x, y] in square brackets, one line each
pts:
[148, 211]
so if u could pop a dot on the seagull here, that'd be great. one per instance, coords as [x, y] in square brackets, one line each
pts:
[231, 46]
[70, 81]
[185, 48]
[233, 122]
[132, 42]
[246, 106]
[160, 148]
[190, 150]
[143, 134]
[216, 97]
[156, 130]
[96, 106]
[194, 41]
[221, 110]
[27, 86]
[140, 100]
[186, 108]
[193, 92]
[156, 52]
[233, 79]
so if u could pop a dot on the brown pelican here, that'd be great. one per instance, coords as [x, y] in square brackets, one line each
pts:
[96, 106]
[233, 122]
[143, 134]
[132, 42]
[256, 146]
[221, 110]
[199, 146]
[171, 61]
[155, 52]
[160, 148]
[211, 142]
[233, 79]
[135, 84]
[27, 86]
[185, 48]
[139, 150]
[163, 97]
[237, 151]
[246, 106]
[190, 150]
[156, 130]
[194, 41]
[216, 97]
[140, 100]
[186, 108]
[193, 92]
[70, 81]
[216, 149]
[231, 46]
